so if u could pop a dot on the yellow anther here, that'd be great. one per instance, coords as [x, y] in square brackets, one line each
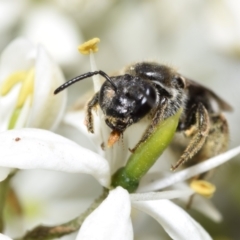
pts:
[11, 81]
[26, 81]
[203, 187]
[89, 46]
[26, 88]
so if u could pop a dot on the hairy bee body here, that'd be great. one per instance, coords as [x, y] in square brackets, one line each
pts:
[155, 90]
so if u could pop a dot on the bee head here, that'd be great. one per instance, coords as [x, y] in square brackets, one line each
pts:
[131, 100]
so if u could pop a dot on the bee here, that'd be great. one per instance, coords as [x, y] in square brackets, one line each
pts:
[159, 91]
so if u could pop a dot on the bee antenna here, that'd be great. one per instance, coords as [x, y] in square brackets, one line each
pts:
[83, 76]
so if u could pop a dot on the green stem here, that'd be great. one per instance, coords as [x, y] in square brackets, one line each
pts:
[146, 154]
[4, 187]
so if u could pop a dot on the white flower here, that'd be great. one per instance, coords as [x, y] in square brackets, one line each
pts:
[47, 25]
[4, 237]
[43, 23]
[40, 149]
[10, 15]
[111, 220]
[28, 77]
[224, 26]
[47, 208]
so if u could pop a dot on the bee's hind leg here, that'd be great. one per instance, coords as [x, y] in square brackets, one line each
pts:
[198, 132]
[216, 142]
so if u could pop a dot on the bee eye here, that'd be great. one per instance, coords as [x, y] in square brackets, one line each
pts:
[179, 82]
[145, 103]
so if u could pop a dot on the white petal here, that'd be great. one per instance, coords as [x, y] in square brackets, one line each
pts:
[224, 28]
[47, 108]
[10, 12]
[23, 116]
[57, 32]
[175, 221]
[199, 203]
[194, 170]
[4, 237]
[7, 106]
[76, 120]
[111, 220]
[4, 173]
[16, 57]
[206, 207]
[36, 148]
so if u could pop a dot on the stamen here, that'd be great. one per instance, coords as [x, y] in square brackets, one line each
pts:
[26, 79]
[96, 79]
[203, 188]
[26, 89]
[89, 46]
[11, 81]
[149, 196]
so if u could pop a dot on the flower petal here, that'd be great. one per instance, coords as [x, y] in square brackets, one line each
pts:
[175, 221]
[7, 106]
[17, 56]
[111, 220]
[53, 31]
[75, 119]
[47, 108]
[4, 173]
[36, 148]
[4, 237]
[206, 207]
[194, 170]
[199, 203]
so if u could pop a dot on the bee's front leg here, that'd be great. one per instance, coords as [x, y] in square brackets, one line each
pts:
[89, 116]
[158, 116]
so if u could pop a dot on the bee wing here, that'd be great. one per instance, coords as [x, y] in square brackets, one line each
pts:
[222, 104]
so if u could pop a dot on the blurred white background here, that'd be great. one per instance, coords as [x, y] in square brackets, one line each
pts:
[200, 38]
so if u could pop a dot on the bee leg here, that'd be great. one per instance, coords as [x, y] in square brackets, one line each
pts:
[216, 142]
[199, 132]
[89, 116]
[158, 116]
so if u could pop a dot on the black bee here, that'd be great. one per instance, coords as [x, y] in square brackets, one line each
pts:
[149, 88]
